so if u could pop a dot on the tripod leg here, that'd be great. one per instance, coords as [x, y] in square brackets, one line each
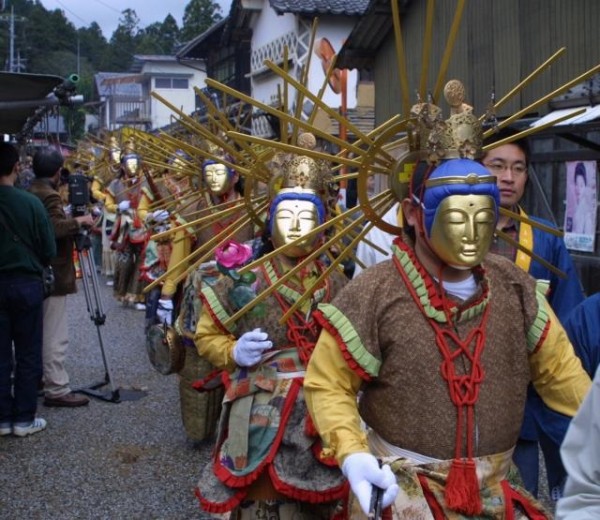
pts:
[96, 311]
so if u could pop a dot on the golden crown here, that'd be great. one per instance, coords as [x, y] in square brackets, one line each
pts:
[435, 139]
[128, 147]
[297, 172]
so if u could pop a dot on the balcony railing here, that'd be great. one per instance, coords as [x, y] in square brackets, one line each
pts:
[129, 111]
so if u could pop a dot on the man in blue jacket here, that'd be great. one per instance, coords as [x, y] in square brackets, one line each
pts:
[509, 163]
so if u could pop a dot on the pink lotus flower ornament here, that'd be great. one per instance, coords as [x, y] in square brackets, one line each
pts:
[233, 255]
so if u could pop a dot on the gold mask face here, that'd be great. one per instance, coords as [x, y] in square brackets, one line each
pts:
[115, 155]
[177, 169]
[294, 219]
[463, 229]
[131, 166]
[217, 178]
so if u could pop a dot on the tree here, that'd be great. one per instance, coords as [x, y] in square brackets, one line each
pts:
[92, 44]
[198, 16]
[158, 38]
[123, 43]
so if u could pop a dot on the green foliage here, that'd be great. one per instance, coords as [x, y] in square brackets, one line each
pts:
[198, 16]
[158, 38]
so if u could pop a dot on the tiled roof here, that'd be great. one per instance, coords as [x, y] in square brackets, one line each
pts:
[368, 34]
[197, 47]
[312, 7]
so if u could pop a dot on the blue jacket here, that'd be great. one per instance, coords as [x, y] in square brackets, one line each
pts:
[563, 296]
[565, 293]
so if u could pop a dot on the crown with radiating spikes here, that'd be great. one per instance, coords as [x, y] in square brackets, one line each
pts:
[436, 139]
[297, 172]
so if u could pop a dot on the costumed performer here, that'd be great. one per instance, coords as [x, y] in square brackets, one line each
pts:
[129, 197]
[266, 461]
[442, 342]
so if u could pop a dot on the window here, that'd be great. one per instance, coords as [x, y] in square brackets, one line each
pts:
[179, 83]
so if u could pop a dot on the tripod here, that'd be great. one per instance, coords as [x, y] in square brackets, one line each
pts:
[93, 300]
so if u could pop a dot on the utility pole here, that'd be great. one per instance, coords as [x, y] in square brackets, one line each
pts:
[12, 40]
[11, 19]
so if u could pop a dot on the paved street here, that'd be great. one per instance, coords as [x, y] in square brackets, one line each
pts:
[107, 460]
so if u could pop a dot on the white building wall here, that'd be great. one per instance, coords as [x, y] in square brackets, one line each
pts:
[183, 99]
[272, 31]
[269, 28]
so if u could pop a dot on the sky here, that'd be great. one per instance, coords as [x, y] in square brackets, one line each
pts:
[107, 12]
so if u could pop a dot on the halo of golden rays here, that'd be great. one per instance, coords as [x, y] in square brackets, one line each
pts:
[383, 151]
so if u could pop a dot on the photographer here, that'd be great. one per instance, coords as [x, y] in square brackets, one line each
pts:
[47, 165]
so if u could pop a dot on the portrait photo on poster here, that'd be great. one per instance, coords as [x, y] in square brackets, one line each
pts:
[580, 214]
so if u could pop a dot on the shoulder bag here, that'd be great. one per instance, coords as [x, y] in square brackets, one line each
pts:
[48, 279]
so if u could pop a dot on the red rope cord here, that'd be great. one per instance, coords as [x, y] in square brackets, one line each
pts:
[462, 388]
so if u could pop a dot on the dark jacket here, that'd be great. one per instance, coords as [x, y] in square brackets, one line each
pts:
[27, 218]
[65, 229]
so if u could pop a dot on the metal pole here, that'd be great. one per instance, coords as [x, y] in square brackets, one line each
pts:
[11, 59]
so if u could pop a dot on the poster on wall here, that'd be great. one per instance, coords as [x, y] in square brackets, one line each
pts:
[580, 215]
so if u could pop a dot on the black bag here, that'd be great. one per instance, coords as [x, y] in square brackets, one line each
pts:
[48, 279]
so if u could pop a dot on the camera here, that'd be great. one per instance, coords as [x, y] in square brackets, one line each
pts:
[79, 193]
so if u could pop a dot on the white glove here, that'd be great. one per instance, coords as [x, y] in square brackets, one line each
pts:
[124, 205]
[362, 471]
[164, 312]
[160, 215]
[250, 346]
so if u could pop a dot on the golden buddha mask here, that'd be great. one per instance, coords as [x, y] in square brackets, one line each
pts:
[463, 229]
[294, 218]
[219, 179]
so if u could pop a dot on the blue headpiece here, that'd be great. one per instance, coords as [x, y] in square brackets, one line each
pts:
[453, 177]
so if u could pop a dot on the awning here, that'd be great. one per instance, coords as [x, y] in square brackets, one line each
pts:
[589, 114]
[21, 95]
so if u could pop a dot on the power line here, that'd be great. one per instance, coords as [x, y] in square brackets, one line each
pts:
[108, 6]
[70, 11]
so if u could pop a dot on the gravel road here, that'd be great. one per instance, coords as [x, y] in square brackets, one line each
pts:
[126, 460]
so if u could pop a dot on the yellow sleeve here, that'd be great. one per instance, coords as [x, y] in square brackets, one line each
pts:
[212, 344]
[110, 203]
[330, 390]
[180, 250]
[143, 206]
[556, 371]
[97, 190]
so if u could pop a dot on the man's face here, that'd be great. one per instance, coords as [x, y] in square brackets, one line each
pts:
[294, 219]
[509, 165]
[218, 179]
[463, 229]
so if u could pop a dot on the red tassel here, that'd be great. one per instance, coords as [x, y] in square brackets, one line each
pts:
[462, 488]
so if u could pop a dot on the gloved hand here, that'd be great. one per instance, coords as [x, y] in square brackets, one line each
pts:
[164, 312]
[160, 215]
[363, 472]
[250, 346]
[124, 205]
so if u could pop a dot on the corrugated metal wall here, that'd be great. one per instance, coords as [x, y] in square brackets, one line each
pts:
[499, 43]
